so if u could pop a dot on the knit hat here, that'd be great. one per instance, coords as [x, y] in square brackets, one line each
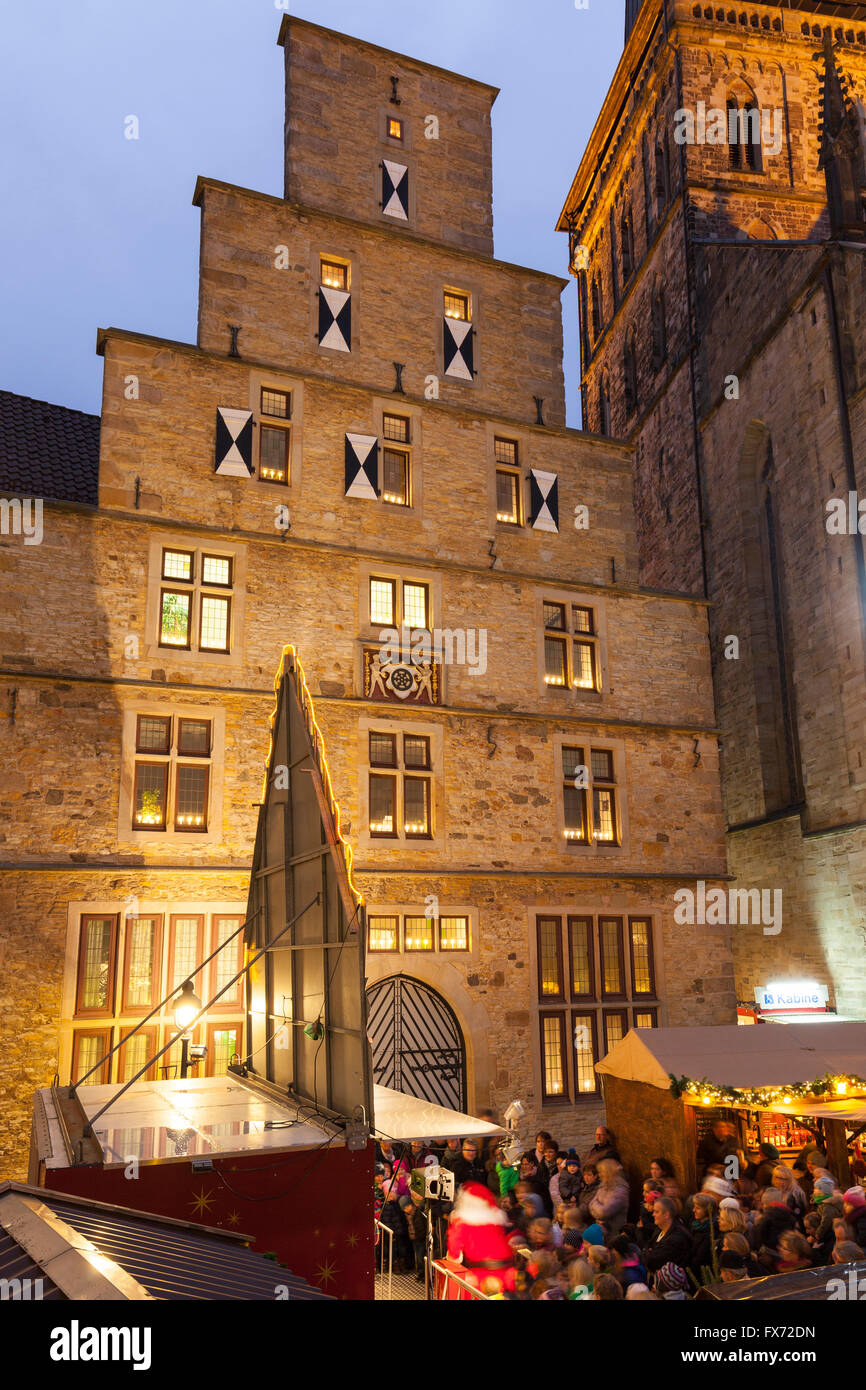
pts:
[572, 1159]
[594, 1235]
[719, 1187]
[730, 1202]
[671, 1278]
[855, 1197]
[824, 1187]
[729, 1259]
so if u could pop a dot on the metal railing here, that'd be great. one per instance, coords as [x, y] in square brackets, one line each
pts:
[436, 1267]
[380, 1248]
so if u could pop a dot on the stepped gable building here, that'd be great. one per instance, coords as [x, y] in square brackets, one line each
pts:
[722, 285]
[363, 453]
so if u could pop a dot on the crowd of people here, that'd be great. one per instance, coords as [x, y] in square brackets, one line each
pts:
[553, 1225]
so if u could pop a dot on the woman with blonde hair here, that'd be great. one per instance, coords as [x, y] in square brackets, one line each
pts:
[792, 1193]
[609, 1205]
[580, 1277]
[732, 1219]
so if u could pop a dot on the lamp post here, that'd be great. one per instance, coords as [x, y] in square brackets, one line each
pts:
[187, 1008]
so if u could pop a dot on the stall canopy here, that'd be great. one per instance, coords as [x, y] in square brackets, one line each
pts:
[404, 1117]
[740, 1057]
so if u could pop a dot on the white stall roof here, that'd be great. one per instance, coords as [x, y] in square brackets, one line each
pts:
[730, 1055]
[405, 1117]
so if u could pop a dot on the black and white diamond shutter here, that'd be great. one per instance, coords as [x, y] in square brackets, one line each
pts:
[395, 190]
[543, 501]
[459, 356]
[362, 465]
[335, 319]
[233, 456]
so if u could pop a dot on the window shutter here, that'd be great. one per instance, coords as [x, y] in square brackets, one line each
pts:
[543, 501]
[335, 319]
[459, 354]
[234, 442]
[395, 190]
[362, 465]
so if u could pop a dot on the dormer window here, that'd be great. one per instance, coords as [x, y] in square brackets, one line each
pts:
[395, 128]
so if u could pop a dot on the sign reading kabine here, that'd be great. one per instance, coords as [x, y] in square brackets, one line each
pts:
[797, 996]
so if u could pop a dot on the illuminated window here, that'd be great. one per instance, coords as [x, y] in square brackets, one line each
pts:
[507, 481]
[383, 933]
[596, 970]
[186, 950]
[382, 602]
[334, 274]
[274, 438]
[454, 933]
[553, 1056]
[572, 659]
[593, 784]
[395, 128]
[394, 603]
[96, 957]
[395, 476]
[135, 1053]
[191, 799]
[87, 1049]
[415, 605]
[400, 804]
[457, 305]
[604, 797]
[178, 607]
[574, 793]
[222, 1046]
[142, 943]
[396, 428]
[155, 781]
[418, 934]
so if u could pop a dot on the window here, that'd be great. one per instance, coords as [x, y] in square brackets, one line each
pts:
[590, 785]
[88, 1046]
[185, 951]
[506, 454]
[395, 128]
[596, 310]
[97, 950]
[627, 245]
[170, 790]
[400, 801]
[571, 646]
[604, 408]
[629, 373]
[416, 932]
[134, 1054]
[200, 574]
[399, 603]
[142, 978]
[275, 413]
[222, 1046]
[663, 177]
[659, 329]
[744, 136]
[457, 306]
[333, 274]
[396, 460]
[581, 962]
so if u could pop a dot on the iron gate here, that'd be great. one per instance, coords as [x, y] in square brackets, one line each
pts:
[416, 1041]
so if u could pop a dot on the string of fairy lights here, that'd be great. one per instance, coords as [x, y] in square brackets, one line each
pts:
[825, 1088]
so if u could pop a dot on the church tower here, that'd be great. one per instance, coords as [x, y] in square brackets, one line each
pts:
[716, 230]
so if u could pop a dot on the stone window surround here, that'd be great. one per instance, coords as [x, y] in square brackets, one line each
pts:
[399, 724]
[523, 440]
[279, 381]
[390, 142]
[122, 908]
[472, 288]
[407, 959]
[619, 906]
[586, 739]
[151, 840]
[368, 633]
[319, 251]
[571, 696]
[173, 540]
[397, 405]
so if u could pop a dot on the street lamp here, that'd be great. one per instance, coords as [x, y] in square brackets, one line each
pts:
[187, 1008]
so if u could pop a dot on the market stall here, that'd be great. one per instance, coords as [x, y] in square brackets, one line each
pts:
[797, 1085]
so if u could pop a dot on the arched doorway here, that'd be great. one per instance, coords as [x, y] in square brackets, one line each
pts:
[416, 1041]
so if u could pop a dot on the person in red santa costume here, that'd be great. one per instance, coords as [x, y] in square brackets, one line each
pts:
[477, 1240]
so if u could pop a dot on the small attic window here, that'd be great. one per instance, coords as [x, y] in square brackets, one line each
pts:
[395, 128]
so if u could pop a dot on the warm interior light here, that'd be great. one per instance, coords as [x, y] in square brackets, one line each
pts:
[187, 1008]
[554, 680]
[841, 1087]
[705, 1100]
[506, 516]
[571, 834]
[273, 474]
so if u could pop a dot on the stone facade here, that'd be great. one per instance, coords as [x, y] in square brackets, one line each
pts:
[745, 422]
[82, 657]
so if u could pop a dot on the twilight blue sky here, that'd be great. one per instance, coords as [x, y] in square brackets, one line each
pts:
[96, 229]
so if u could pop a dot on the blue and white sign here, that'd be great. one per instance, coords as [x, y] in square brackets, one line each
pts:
[793, 996]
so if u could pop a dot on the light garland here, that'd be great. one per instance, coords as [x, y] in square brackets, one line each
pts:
[825, 1088]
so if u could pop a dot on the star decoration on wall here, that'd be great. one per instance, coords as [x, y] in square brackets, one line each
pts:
[234, 1218]
[201, 1204]
[326, 1273]
[352, 1240]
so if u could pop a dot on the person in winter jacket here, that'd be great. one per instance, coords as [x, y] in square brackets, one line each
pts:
[591, 1184]
[776, 1217]
[627, 1262]
[477, 1237]
[792, 1192]
[761, 1172]
[828, 1203]
[393, 1216]
[610, 1203]
[854, 1209]
[570, 1179]
[705, 1232]
[733, 1242]
[672, 1243]
[604, 1146]
[645, 1228]
[468, 1167]
[672, 1282]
